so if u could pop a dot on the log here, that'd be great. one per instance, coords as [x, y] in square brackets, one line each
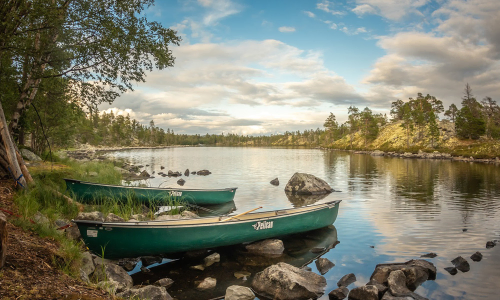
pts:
[10, 150]
[24, 168]
[3, 239]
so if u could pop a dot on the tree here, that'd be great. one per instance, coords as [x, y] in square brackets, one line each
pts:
[100, 47]
[491, 113]
[353, 120]
[469, 119]
[451, 112]
[331, 125]
[397, 110]
[369, 128]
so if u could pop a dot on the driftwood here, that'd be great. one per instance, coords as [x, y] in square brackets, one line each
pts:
[10, 151]
[70, 201]
[24, 169]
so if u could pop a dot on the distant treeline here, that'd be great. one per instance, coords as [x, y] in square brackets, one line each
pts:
[417, 116]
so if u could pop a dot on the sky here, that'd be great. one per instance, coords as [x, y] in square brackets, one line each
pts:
[257, 67]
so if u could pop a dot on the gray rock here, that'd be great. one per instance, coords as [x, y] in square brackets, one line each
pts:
[193, 173]
[380, 287]
[40, 218]
[346, 280]
[203, 172]
[165, 282]
[181, 182]
[236, 292]
[415, 276]
[149, 292]
[112, 272]
[366, 292]
[284, 281]
[91, 216]
[324, 265]
[397, 284]
[490, 244]
[378, 153]
[186, 173]
[426, 269]
[207, 283]
[476, 256]
[84, 277]
[451, 270]
[111, 217]
[429, 255]
[28, 155]
[338, 294]
[211, 259]
[306, 184]
[73, 233]
[129, 264]
[88, 265]
[461, 264]
[270, 247]
[275, 181]
[144, 174]
[149, 260]
[60, 223]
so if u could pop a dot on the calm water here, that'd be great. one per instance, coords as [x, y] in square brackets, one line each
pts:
[402, 207]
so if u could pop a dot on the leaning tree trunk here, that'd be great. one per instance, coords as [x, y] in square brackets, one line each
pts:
[11, 160]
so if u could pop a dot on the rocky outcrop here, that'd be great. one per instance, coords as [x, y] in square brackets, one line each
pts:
[91, 216]
[307, 184]
[283, 281]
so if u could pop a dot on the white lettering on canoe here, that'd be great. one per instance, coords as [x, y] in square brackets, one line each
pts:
[263, 225]
[174, 193]
[91, 233]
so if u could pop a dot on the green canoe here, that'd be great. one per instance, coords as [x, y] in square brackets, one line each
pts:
[134, 239]
[87, 192]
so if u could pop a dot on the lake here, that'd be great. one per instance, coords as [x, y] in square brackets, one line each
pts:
[392, 210]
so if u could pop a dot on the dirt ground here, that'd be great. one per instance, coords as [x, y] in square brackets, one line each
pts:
[29, 272]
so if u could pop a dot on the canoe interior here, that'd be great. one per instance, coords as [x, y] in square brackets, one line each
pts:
[133, 239]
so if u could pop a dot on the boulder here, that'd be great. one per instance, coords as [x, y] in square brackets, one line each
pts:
[275, 181]
[181, 182]
[40, 218]
[490, 244]
[28, 155]
[203, 172]
[284, 281]
[346, 280]
[270, 247]
[236, 292]
[91, 216]
[186, 173]
[129, 263]
[307, 184]
[150, 292]
[111, 217]
[451, 270]
[416, 270]
[109, 286]
[211, 259]
[112, 272]
[324, 265]
[381, 288]
[88, 265]
[165, 282]
[338, 294]
[378, 153]
[207, 283]
[3, 239]
[84, 277]
[366, 292]
[73, 233]
[461, 264]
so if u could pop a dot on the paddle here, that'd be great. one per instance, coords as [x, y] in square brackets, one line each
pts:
[244, 213]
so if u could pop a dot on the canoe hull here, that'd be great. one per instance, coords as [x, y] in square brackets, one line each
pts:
[120, 240]
[88, 192]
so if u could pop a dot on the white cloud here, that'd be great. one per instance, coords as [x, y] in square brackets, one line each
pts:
[364, 9]
[286, 29]
[327, 6]
[309, 14]
[218, 9]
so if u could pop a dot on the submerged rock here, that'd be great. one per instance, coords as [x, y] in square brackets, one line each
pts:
[207, 283]
[451, 270]
[307, 184]
[266, 247]
[236, 292]
[146, 292]
[164, 282]
[461, 264]
[366, 292]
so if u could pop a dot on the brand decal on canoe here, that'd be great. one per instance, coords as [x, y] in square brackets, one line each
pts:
[263, 225]
[91, 233]
[174, 193]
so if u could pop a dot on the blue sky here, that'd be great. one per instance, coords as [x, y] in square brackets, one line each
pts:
[264, 67]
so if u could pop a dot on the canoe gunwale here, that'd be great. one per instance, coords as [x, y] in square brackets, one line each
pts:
[214, 221]
[143, 188]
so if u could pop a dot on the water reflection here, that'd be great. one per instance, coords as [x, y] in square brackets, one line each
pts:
[236, 259]
[303, 200]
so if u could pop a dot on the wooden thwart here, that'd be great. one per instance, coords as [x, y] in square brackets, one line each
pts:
[244, 213]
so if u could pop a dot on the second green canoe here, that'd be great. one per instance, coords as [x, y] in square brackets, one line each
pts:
[88, 192]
